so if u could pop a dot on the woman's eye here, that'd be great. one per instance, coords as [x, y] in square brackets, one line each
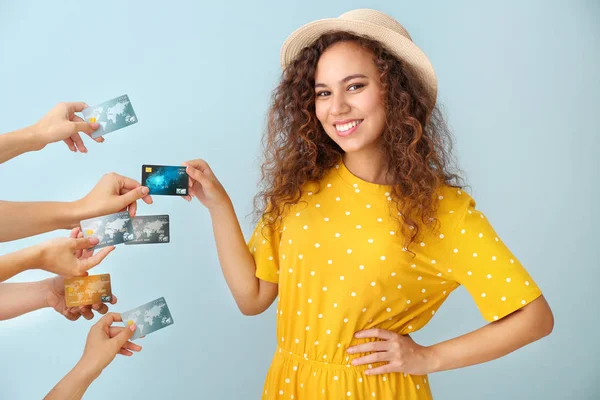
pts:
[355, 86]
[323, 93]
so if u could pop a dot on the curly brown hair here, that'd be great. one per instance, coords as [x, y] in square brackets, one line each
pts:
[416, 140]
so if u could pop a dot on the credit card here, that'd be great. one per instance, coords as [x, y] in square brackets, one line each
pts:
[150, 229]
[88, 290]
[148, 318]
[110, 229]
[111, 115]
[165, 180]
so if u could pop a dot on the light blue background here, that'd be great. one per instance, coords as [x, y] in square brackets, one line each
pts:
[520, 85]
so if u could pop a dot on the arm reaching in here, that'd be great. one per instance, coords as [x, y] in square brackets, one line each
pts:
[59, 124]
[20, 298]
[113, 193]
[103, 343]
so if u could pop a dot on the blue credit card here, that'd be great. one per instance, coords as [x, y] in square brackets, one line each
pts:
[148, 318]
[111, 115]
[165, 180]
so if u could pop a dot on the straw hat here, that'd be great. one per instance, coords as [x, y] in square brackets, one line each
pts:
[374, 25]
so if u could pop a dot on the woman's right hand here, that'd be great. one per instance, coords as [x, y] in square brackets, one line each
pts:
[204, 185]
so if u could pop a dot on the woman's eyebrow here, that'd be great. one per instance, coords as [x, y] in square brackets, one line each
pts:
[346, 79]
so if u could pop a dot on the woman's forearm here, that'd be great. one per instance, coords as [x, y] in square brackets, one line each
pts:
[73, 385]
[14, 263]
[15, 143]
[24, 219]
[496, 339]
[237, 263]
[21, 298]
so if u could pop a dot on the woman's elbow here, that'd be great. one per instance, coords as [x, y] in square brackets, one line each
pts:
[250, 310]
[544, 318]
[547, 323]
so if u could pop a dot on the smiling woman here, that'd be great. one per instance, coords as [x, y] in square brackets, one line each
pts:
[365, 229]
[348, 97]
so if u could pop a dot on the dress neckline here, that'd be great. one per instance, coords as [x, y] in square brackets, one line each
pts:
[358, 183]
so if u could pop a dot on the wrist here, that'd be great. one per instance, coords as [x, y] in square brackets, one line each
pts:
[433, 359]
[32, 257]
[225, 206]
[85, 373]
[42, 291]
[33, 138]
[78, 210]
[42, 251]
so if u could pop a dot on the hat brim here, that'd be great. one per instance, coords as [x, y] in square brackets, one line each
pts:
[397, 44]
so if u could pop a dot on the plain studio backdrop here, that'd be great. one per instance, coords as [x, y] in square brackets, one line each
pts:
[520, 88]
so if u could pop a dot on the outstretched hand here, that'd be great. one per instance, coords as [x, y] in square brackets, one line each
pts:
[104, 342]
[61, 123]
[55, 291]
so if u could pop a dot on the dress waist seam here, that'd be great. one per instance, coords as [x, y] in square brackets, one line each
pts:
[321, 364]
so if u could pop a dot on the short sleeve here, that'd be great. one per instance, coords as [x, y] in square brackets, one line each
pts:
[483, 264]
[264, 247]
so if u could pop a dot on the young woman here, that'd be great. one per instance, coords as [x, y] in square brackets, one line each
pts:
[365, 230]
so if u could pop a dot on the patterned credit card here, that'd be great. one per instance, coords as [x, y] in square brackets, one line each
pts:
[148, 318]
[149, 229]
[87, 290]
[111, 115]
[165, 179]
[110, 229]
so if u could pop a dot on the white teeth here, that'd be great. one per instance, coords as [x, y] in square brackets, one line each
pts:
[345, 127]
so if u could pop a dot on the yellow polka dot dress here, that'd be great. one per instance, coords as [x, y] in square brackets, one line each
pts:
[341, 268]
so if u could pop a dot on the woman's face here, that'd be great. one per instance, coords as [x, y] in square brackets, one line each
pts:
[348, 99]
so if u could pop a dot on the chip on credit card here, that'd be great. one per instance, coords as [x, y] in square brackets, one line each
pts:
[148, 318]
[165, 180]
[87, 290]
[111, 115]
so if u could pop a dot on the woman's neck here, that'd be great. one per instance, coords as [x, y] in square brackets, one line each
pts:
[367, 166]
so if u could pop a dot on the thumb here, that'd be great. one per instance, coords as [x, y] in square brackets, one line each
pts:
[76, 106]
[124, 336]
[86, 127]
[85, 243]
[75, 232]
[96, 259]
[133, 195]
[196, 175]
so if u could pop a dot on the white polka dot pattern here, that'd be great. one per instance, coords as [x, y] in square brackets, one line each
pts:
[344, 269]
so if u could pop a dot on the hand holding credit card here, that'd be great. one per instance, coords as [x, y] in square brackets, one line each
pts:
[61, 123]
[56, 292]
[111, 194]
[63, 256]
[204, 185]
